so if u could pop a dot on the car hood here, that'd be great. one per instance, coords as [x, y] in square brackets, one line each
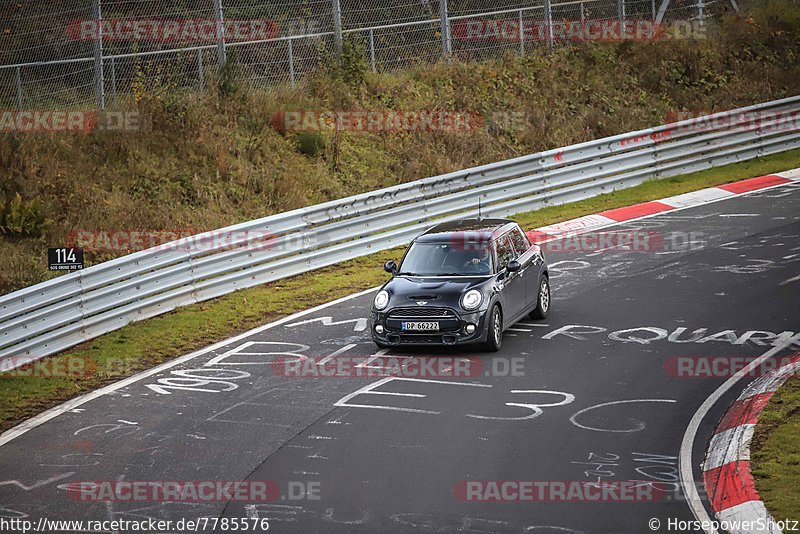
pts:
[405, 290]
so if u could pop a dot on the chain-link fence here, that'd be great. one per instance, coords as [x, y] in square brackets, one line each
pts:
[92, 52]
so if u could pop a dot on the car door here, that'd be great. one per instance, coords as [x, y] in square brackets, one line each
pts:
[513, 283]
[532, 265]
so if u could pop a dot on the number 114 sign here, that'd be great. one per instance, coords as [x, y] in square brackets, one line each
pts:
[65, 259]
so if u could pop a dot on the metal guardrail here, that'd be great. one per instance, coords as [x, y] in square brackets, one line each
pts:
[52, 316]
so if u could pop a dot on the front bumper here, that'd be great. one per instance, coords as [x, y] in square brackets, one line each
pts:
[451, 330]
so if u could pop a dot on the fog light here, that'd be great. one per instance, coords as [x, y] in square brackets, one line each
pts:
[379, 328]
[470, 328]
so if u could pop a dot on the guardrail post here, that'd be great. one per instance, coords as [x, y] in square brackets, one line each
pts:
[19, 89]
[200, 70]
[548, 19]
[220, 20]
[521, 36]
[113, 81]
[291, 63]
[372, 48]
[337, 26]
[445, 29]
[99, 89]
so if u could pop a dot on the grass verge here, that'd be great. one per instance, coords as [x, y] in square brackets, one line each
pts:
[143, 345]
[775, 452]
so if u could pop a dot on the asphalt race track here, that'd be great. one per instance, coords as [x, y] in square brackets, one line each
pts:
[590, 399]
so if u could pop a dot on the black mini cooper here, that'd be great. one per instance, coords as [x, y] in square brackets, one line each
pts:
[461, 282]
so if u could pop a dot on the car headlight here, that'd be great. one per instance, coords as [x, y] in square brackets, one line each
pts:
[471, 299]
[381, 300]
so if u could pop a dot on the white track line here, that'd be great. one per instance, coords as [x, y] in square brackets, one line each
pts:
[336, 353]
[790, 280]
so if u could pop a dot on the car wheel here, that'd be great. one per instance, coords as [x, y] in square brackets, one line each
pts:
[494, 339]
[542, 301]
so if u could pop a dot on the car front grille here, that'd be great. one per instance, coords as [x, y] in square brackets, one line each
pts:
[421, 339]
[422, 313]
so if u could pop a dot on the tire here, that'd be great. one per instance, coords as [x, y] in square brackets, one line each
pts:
[495, 330]
[542, 300]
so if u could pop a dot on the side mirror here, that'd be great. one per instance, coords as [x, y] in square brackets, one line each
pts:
[513, 266]
[390, 267]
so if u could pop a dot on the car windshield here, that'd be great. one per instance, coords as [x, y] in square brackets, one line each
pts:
[444, 259]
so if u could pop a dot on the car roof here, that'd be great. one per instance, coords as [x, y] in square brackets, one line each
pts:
[487, 228]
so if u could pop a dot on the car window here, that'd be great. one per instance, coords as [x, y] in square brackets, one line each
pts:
[444, 259]
[520, 240]
[505, 252]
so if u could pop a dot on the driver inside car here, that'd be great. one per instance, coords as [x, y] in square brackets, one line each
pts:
[480, 257]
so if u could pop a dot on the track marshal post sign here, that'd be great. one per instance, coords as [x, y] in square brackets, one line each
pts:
[65, 258]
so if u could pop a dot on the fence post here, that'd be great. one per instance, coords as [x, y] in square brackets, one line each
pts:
[662, 10]
[700, 6]
[291, 63]
[548, 19]
[521, 36]
[372, 48]
[621, 14]
[99, 89]
[218, 17]
[583, 18]
[337, 26]
[200, 70]
[114, 81]
[19, 89]
[445, 29]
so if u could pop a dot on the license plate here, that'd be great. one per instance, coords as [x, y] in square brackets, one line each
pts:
[415, 325]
